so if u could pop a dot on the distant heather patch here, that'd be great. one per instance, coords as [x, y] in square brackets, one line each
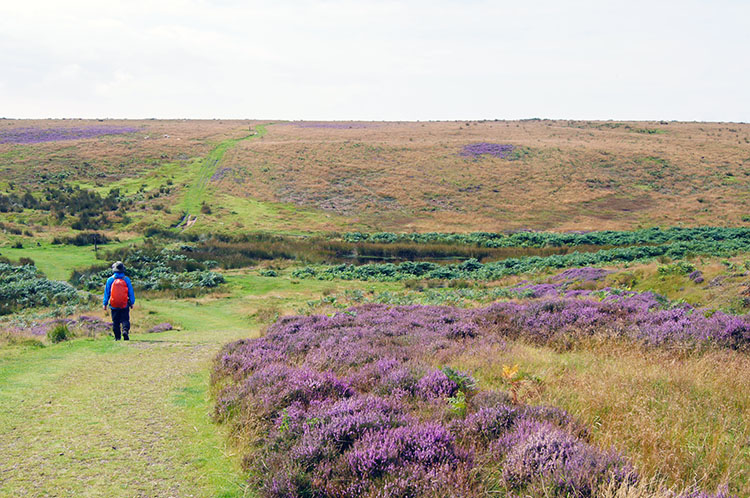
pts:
[83, 326]
[220, 173]
[30, 135]
[484, 148]
[162, 327]
[585, 274]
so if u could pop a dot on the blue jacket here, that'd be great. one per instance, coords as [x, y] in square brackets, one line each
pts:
[108, 288]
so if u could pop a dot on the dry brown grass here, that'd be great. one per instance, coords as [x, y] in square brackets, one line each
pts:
[574, 175]
[408, 176]
[681, 419]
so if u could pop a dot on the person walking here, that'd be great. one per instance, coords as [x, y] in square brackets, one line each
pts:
[119, 295]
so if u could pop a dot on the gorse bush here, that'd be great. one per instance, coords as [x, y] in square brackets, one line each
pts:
[153, 269]
[83, 239]
[25, 287]
[473, 269]
[678, 268]
[59, 333]
[63, 200]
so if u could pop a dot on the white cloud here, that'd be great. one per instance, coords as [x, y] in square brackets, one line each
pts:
[316, 59]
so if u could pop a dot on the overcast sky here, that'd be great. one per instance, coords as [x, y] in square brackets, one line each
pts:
[376, 60]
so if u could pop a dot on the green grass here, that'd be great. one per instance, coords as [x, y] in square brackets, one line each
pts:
[202, 450]
[58, 261]
[242, 214]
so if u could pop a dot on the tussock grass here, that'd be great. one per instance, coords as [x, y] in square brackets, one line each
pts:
[679, 418]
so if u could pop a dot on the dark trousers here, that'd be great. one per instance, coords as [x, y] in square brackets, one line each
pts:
[120, 316]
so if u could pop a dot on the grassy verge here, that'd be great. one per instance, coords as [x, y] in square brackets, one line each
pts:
[98, 418]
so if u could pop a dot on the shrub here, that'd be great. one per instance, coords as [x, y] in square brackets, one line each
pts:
[83, 239]
[678, 268]
[25, 287]
[59, 333]
[153, 269]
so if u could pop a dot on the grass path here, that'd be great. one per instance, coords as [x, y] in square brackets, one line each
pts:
[99, 418]
[195, 193]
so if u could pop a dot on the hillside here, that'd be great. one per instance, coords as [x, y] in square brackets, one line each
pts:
[555, 175]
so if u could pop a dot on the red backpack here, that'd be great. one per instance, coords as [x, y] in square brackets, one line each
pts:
[119, 294]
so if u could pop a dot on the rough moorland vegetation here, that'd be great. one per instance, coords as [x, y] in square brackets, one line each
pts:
[150, 268]
[366, 402]
[560, 175]
[24, 286]
[473, 269]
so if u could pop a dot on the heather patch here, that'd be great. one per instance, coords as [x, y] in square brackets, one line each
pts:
[352, 405]
[585, 274]
[476, 150]
[30, 135]
[162, 327]
[82, 326]
[560, 313]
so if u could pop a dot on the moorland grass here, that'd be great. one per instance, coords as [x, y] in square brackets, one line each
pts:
[410, 176]
[680, 418]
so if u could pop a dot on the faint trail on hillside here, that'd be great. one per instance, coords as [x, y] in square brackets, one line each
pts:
[196, 191]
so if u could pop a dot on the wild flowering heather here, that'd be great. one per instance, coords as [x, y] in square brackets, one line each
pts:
[355, 405]
[473, 151]
[362, 403]
[162, 327]
[29, 135]
[220, 173]
[584, 274]
[646, 318]
[82, 326]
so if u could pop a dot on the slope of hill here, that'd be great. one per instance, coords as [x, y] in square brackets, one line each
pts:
[445, 176]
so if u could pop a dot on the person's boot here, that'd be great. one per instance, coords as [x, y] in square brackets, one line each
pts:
[125, 336]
